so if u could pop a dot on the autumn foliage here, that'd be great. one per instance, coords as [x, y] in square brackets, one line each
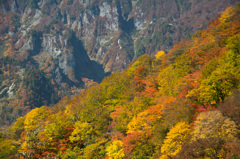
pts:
[184, 104]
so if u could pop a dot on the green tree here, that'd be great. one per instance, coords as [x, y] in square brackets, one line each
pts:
[215, 88]
[56, 128]
[7, 148]
[16, 129]
[172, 76]
[95, 150]
[83, 133]
[138, 145]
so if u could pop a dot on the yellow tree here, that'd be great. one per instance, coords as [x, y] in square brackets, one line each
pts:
[56, 128]
[145, 120]
[83, 133]
[213, 124]
[226, 15]
[160, 54]
[215, 88]
[34, 124]
[17, 128]
[175, 139]
[115, 150]
[173, 76]
[35, 118]
[139, 123]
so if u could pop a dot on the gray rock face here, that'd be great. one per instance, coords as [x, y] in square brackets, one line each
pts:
[10, 91]
[54, 47]
[112, 33]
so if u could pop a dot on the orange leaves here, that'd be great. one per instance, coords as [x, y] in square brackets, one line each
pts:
[155, 112]
[138, 144]
[120, 117]
[117, 136]
[153, 95]
[138, 78]
[114, 115]
[10, 51]
[129, 142]
[151, 86]
[191, 81]
[144, 120]
[88, 82]
[202, 50]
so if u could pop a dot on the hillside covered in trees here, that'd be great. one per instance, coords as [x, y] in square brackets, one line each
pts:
[184, 104]
[55, 48]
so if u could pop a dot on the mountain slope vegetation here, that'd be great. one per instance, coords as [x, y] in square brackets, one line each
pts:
[72, 44]
[184, 104]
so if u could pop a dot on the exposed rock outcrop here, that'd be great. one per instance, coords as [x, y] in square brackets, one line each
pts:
[71, 40]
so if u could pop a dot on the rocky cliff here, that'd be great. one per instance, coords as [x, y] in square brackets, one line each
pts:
[112, 32]
[70, 42]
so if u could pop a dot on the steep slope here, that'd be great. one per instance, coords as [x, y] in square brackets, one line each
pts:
[75, 43]
[184, 104]
[114, 32]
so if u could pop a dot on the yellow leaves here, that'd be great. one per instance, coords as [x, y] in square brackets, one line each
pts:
[17, 128]
[229, 22]
[233, 44]
[144, 120]
[172, 76]
[7, 148]
[213, 124]
[115, 150]
[35, 118]
[74, 108]
[57, 127]
[164, 157]
[175, 139]
[144, 60]
[138, 104]
[82, 132]
[216, 87]
[160, 54]
[9, 51]
[154, 112]
[139, 123]
[229, 11]
[95, 150]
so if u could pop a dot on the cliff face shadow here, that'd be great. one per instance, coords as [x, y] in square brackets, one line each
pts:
[124, 24]
[84, 67]
[36, 41]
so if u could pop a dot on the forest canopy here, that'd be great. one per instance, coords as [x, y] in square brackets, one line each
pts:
[176, 105]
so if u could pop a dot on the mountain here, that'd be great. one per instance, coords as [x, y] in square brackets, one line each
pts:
[51, 48]
[112, 33]
[184, 104]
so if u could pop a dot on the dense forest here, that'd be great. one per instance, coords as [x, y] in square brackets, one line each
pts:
[184, 104]
[55, 48]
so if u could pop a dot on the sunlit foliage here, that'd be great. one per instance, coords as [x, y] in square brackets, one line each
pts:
[175, 139]
[213, 124]
[184, 104]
